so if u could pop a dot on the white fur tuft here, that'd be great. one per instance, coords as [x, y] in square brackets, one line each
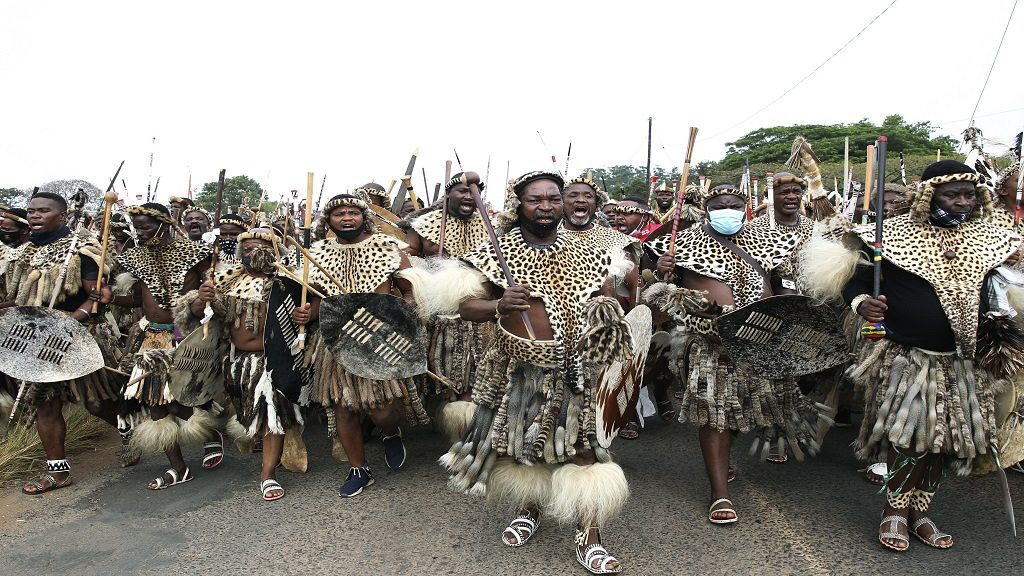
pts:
[454, 418]
[6, 403]
[516, 486]
[589, 495]
[826, 267]
[156, 435]
[440, 288]
[123, 284]
[199, 427]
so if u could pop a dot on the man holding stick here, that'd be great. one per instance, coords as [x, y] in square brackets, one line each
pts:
[156, 274]
[532, 444]
[54, 265]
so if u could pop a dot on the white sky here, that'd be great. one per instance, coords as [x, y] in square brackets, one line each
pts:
[276, 89]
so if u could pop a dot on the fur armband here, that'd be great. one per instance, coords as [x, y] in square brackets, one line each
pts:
[442, 285]
[607, 337]
[184, 319]
[123, 284]
[675, 300]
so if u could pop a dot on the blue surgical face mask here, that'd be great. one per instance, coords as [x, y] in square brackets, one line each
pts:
[726, 220]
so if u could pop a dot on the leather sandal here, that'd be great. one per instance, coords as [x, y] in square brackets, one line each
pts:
[724, 510]
[51, 484]
[521, 529]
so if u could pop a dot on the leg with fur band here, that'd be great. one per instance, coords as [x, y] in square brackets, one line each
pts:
[521, 489]
[589, 496]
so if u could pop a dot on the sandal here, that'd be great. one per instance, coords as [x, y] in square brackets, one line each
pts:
[51, 484]
[631, 431]
[776, 456]
[712, 511]
[213, 452]
[936, 535]
[732, 474]
[667, 410]
[587, 554]
[875, 473]
[893, 521]
[160, 484]
[270, 485]
[521, 528]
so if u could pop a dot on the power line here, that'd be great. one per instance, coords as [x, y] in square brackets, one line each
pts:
[996, 57]
[809, 74]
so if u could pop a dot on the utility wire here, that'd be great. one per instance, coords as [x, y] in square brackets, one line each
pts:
[994, 59]
[809, 74]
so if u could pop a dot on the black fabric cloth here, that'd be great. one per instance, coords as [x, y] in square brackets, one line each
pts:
[915, 317]
[49, 237]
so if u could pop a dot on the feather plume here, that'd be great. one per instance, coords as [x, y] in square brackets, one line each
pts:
[1000, 345]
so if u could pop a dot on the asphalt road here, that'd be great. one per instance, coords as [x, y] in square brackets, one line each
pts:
[819, 517]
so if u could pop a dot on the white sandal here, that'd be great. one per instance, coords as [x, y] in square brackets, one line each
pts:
[593, 552]
[217, 454]
[521, 528]
[891, 534]
[161, 485]
[712, 511]
[269, 485]
[932, 540]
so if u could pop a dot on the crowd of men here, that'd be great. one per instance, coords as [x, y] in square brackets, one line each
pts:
[548, 330]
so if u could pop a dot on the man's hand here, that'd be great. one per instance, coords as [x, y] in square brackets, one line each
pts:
[666, 264]
[104, 296]
[207, 292]
[873, 310]
[1014, 258]
[515, 299]
[301, 315]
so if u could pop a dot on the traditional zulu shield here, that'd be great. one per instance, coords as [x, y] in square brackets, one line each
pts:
[279, 334]
[197, 373]
[45, 345]
[618, 386]
[784, 336]
[375, 336]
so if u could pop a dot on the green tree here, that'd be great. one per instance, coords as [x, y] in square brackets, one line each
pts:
[622, 181]
[236, 190]
[772, 145]
[12, 197]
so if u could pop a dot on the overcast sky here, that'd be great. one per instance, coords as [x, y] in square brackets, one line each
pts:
[276, 89]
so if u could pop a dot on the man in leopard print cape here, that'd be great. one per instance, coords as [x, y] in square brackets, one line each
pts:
[240, 295]
[456, 346]
[532, 442]
[32, 272]
[153, 276]
[929, 402]
[363, 261]
[723, 396]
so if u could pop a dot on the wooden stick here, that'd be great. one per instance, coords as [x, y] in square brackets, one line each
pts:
[681, 196]
[306, 255]
[305, 261]
[869, 174]
[281, 268]
[444, 208]
[407, 181]
[108, 202]
[208, 311]
[769, 198]
[472, 179]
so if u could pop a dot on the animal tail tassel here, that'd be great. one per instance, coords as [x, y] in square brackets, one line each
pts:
[802, 158]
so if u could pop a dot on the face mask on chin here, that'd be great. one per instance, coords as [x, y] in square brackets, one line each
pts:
[727, 221]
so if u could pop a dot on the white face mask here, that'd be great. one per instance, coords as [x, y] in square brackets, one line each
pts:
[727, 221]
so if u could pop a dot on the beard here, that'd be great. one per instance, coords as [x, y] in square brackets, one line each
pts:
[349, 235]
[261, 260]
[537, 229]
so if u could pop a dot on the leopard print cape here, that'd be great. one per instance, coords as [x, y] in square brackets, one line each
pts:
[565, 275]
[804, 229]
[33, 271]
[163, 268]
[460, 236]
[916, 247]
[604, 239]
[360, 267]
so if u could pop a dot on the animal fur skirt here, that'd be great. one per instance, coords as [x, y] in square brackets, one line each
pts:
[456, 348]
[921, 401]
[259, 408]
[525, 411]
[334, 385]
[726, 395]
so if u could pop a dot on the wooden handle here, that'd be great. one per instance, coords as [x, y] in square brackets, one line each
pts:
[868, 177]
[681, 196]
[305, 261]
[108, 202]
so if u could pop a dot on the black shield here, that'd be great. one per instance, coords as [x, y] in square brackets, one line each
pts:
[374, 336]
[785, 336]
[285, 361]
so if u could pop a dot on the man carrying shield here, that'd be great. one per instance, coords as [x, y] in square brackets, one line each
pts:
[155, 274]
[359, 260]
[722, 263]
[266, 395]
[56, 266]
